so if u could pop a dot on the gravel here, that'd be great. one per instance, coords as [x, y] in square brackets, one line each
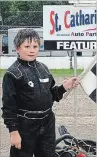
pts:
[76, 112]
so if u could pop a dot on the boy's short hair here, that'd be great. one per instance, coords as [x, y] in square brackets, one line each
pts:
[26, 33]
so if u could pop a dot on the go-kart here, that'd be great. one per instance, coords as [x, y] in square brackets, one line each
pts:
[74, 147]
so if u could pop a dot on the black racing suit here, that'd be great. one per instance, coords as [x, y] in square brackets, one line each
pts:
[29, 86]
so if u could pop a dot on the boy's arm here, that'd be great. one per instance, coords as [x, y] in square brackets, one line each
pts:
[9, 108]
[57, 91]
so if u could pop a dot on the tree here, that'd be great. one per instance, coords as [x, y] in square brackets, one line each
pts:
[4, 9]
[24, 13]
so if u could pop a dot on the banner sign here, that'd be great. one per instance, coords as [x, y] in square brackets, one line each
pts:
[69, 27]
[69, 45]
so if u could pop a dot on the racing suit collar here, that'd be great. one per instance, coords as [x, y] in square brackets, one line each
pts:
[29, 63]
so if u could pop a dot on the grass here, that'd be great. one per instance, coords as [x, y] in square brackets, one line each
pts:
[64, 72]
[54, 72]
[2, 71]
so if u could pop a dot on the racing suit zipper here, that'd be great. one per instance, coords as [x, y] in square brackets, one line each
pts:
[37, 74]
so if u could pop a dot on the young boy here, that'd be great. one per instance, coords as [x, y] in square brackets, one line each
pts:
[28, 94]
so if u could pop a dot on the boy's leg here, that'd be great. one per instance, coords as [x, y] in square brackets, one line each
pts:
[45, 146]
[26, 150]
[28, 134]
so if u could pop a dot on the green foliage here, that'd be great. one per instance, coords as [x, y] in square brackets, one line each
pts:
[24, 13]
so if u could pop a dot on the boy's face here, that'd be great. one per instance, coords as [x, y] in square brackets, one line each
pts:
[28, 51]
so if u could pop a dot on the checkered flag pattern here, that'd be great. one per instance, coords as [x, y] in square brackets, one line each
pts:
[88, 79]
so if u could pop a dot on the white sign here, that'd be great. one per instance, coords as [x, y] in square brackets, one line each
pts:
[69, 23]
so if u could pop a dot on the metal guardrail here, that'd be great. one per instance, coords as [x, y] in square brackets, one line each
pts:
[45, 53]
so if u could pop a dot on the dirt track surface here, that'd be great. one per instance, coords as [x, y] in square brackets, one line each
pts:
[77, 112]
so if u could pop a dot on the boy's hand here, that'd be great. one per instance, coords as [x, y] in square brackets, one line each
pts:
[15, 139]
[70, 83]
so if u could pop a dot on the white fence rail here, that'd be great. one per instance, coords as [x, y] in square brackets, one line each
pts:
[51, 62]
